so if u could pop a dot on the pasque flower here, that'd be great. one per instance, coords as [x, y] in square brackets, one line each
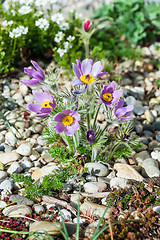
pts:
[86, 72]
[125, 137]
[37, 75]
[87, 26]
[121, 112]
[109, 95]
[46, 103]
[67, 121]
[91, 136]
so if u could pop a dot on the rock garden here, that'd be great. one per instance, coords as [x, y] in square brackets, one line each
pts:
[80, 120]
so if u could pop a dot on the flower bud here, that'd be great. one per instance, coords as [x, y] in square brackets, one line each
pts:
[87, 26]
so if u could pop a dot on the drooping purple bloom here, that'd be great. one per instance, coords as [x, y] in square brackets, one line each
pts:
[86, 72]
[91, 136]
[37, 75]
[121, 112]
[109, 95]
[67, 121]
[46, 103]
[125, 137]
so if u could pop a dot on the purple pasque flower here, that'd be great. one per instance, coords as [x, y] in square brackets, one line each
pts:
[67, 121]
[37, 75]
[121, 112]
[126, 137]
[91, 136]
[86, 72]
[46, 103]
[109, 95]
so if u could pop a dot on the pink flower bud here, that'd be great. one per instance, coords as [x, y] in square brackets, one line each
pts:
[87, 26]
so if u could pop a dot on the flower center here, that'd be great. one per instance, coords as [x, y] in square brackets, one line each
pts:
[45, 104]
[87, 78]
[67, 120]
[107, 97]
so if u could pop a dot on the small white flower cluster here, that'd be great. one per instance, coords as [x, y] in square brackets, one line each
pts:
[42, 23]
[58, 37]
[64, 26]
[58, 18]
[67, 45]
[25, 10]
[70, 38]
[28, 2]
[61, 51]
[6, 23]
[18, 31]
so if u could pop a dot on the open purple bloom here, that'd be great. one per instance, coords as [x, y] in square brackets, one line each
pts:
[121, 112]
[91, 136]
[37, 75]
[86, 72]
[46, 103]
[109, 95]
[67, 121]
[126, 137]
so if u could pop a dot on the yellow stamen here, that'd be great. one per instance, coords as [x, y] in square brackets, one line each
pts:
[107, 97]
[87, 78]
[45, 104]
[67, 120]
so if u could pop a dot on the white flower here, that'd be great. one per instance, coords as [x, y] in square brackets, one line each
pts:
[78, 15]
[25, 9]
[28, 2]
[13, 12]
[61, 51]
[64, 26]
[58, 18]
[58, 37]
[42, 23]
[70, 38]
[6, 23]
[17, 32]
[44, 3]
[67, 45]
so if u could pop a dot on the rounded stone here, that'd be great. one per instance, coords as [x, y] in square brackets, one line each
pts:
[141, 156]
[93, 187]
[38, 208]
[26, 164]
[14, 168]
[97, 169]
[158, 136]
[17, 210]
[149, 116]
[119, 182]
[9, 157]
[3, 175]
[138, 110]
[24, 149]
[3, 204]
[6, 185]
[150, 168]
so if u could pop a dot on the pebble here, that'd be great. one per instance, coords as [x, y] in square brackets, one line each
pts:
[42, 226]
[18, 199]
[9, 157]
[34, 155]
[158, 136]
[17, 210]
[64, 215]
[156, 209]
[38, 208]
[15, 167]
[95, 209]
[97, 169]
[149, 116]
[150, 168]
[6, 185]
[156, 154]
[93, 187]
[3, 204]
[40, 173]
[24, 149]
[138, 110]
[3, 175]
[67, 187]
[119, 182]
[127, 171]
[141, 156]
[26, 164]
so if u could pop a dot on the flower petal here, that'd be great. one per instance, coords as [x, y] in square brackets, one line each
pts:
[86, 66]
[70, 130]
[34, 107]
[30, 82]
[95, 69]
[38, 68]
[101, 73]
[59, 117]
[48, 94]
[76, 116]
[76, 70]
[116, 95]
[80, 91]
[120, 103]
[41, 115]
[76, 82]
[60, 127]
[39, 96]
[111, 87]
[46, 110]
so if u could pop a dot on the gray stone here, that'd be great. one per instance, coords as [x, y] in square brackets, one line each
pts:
[97, 169]
[158, 136]
[38, 208]
[26, 164]
[95, 209]
[67, 187]
[24, 149]
[153, 144]
[14, 168]
[139, 128]
[6, 185]
[147, 133]
[138, 110]
[156, 154]
[92, 187]
[41, 141]
[130, 100]
[34, 155]
[144, 140]
[119, 182]
[3, 175]
[156, 209]
[150, 168]
[17, 210]
[149, 116]
[157, 125]
[65, 214]
[3, 204]
[42, 227]
[10, 139]
[18, 199]
[91, 178]
[141, 156]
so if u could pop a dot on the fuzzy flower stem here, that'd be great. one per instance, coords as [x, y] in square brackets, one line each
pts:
[75, 141]
[94, 154]
[86, 44]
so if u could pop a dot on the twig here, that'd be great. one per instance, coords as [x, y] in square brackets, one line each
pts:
[21, 216]
[110, 228]
[96, 195]
[60, 202]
